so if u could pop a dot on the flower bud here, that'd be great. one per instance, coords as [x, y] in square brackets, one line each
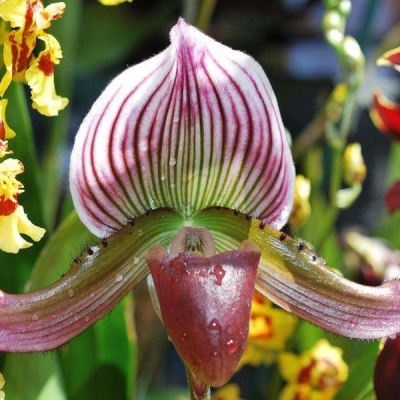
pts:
[354, 169]
[301, 207]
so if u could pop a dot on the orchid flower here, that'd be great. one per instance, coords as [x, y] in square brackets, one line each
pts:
[183, 168]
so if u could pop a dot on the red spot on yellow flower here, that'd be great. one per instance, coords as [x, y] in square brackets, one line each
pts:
[7, 206]
[46, 65]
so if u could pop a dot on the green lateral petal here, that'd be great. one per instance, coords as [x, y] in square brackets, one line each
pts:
[98, 279]
[228, 228]
[298, 280]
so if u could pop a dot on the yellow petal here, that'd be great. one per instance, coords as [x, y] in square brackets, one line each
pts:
[10, 187]
[301, 206]
[40, 78]
[228, 392]
[290, 366]
[14, 11]
[113, 2]
[44, 16]
[5, 131]
[11, 226]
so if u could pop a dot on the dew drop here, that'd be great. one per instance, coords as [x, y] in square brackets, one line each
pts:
[214, 325]
[231, 347]
[70, 293]
[92, 294]
[176, 120]
[219, 273]
[184, 336]
[119, 278]
[162, 177]
[172, 185]
[353, 322]
[86, 319]
[143, 145]
[140, 232]
[35, 317]
[135, 260]
[215, 353]
[172, 161]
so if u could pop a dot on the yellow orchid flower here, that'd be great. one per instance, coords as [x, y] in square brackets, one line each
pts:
[316, 374]
[301, 206]
[40, 78]
[228, 392]
[5, 131]
[2, 382]
[113, 2]
[29, 19]
[269, 329]
[13, 220]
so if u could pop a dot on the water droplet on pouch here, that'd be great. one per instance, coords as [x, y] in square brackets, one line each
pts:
[184, 336]
[119, 278]
[172, 161]
[135, 260]
[162, 177]
[35, 317]
[214, 325]
[70, 293]
[86, 319]
[172, 185]
[231, 347]
[140, 232]
[219, 273]
[353, 322]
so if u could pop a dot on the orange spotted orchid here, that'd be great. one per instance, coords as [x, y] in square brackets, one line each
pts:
[28, 20]
[183, 168]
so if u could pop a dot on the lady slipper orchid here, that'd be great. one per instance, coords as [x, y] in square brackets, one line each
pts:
[183, 161]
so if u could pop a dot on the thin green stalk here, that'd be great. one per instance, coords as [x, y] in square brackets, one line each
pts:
[205, 14]
[337, 169]
[190, 10]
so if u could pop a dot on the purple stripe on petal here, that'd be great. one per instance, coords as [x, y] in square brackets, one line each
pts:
[196, 126]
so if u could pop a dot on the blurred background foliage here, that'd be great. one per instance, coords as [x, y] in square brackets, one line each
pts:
[128, 352]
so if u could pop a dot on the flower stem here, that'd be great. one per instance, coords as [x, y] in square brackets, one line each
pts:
[198, 389]
[205, 14]
[190, 10]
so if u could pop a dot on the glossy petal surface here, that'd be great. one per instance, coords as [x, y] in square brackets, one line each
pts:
[205, 305]
[195, 126]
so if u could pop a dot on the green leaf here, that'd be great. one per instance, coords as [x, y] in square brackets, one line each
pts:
[361, 358]
[101, 363]
[169, 394]
[33, 377]
[119, 33]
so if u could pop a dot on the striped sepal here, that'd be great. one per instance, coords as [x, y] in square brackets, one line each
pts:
[197, 125]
